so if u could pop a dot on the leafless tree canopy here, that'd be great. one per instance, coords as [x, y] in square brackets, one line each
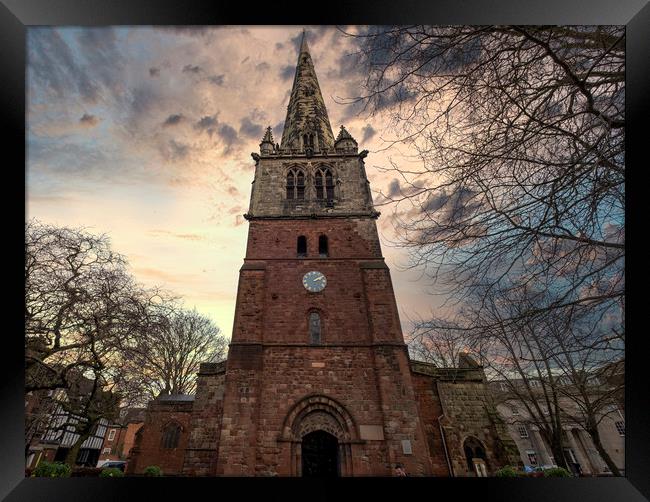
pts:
[520, 134]
[87, 322]
[516, 208]
[166, 358]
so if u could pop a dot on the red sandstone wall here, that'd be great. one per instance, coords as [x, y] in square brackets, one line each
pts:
[362, 365]
[147, 449]
[430, 410]
[205, 423]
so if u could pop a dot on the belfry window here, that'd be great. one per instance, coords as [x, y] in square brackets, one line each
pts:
[171, 435]
[308, 141]
[324, 183]
[323, 250]
[302, 246]
[295, 184]
[314, 328]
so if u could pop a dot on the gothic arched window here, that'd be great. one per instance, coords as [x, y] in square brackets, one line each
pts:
[300, 185]
[324, 183]
[171, 435]
[295, 184]
[314, 328]
[302, 246]
[323, 249]
[291, 183]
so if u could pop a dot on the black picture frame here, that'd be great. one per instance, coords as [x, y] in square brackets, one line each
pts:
[17, 15]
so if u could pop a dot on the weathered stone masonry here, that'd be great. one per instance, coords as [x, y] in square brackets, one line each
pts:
[279, 393]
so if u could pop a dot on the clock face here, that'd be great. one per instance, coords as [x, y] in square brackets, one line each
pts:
[314, 281]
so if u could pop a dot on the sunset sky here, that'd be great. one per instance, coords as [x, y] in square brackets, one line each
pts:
[145, 134]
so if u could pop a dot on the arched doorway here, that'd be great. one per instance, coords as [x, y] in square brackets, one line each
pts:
[475, 456]
[321, 434]
[320, 455]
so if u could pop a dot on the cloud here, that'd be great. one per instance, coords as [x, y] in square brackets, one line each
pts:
[143, 100]
[88, 120]
[394, 188]
[173, 120]
[263, 66]
[287, 72]
[368, 133]
[228, 135]
[207, 124]
[53, 67]
[173, 150]
[278, 129]
[154, 72]
[184, 236]
[216, 79]
[250, 129]
[188, 68]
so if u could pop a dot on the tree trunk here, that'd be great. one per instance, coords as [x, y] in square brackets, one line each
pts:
[71, 456]
[595, 437]
[555, 442]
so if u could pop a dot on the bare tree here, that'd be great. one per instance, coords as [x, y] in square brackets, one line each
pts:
[79, 302]
[165, 359]
[520, 134]
[548, 362]
[96, 335]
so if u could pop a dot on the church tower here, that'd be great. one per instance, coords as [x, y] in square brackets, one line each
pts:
[317, 380]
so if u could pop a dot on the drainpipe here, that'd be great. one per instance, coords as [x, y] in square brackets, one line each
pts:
[444, 445]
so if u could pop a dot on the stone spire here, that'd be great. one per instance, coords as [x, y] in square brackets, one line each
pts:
[307, 126]
[266, 146]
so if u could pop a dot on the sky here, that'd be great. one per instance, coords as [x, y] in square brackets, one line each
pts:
[145, 134]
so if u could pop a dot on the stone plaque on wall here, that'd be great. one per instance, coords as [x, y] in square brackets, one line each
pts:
[406, 447]
[371, 432]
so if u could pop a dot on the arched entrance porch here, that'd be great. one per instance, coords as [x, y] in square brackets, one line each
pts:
[321, 432]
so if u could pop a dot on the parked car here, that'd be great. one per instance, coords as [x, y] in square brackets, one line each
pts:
[118, 464]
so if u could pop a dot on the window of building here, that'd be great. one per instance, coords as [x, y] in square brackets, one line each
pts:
[534, 383]
[314, 328]
[300, 185]
[324, 183]
[308, 141]
[171, 435]
[106, 451]
[620, 427]
[291, 184]
[532, 457]
[302, 246]
[111, 434]
[323, 249]
[523, 432]
[514, 411]
[295, 184]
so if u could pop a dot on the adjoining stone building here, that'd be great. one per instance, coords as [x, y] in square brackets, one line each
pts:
[318, 380]
[580, 452]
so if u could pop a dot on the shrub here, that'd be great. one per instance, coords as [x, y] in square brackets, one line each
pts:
[47, 469]
[557, 472]
[153, 470]
[85, 472]
[506, 472]
[111, 472]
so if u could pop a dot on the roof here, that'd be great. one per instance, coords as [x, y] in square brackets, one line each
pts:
[131, 415]
[176, 397]
[306, 111]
